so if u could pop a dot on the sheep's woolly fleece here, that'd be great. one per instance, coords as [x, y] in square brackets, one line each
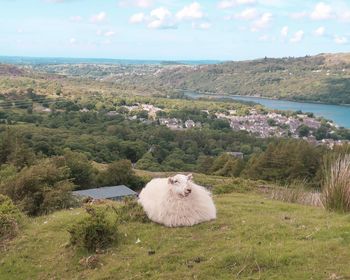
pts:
[177, 201]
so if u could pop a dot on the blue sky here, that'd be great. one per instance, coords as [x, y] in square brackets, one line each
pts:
[169, 29]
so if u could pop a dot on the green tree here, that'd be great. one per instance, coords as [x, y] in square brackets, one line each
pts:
[81, 170]
[148, 162]
[303, 131]
[120, 173]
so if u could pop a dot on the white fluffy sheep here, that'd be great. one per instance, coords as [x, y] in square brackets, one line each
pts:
[177, 201]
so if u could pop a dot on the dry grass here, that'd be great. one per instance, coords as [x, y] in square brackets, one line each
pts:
[296, 193]
[336, 186]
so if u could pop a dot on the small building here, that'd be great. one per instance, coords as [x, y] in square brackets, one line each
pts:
[236, 154]
[190, 124]
[112, 113]
[113, 193]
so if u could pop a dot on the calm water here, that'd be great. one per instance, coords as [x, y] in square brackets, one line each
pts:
[67, 60]
[339, 114]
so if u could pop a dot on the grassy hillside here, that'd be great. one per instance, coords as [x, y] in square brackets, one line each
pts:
[321, 78]
[253, 238]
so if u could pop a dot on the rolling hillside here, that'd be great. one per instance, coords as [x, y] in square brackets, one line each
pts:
[253, 238]
[322, 78]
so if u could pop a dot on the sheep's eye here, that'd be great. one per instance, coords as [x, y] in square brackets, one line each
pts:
[176, 181]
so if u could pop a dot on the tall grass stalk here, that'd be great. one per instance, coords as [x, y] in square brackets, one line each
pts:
[336, 185]
[296, 192]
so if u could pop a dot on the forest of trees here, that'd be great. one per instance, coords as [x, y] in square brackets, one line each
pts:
[46, 154]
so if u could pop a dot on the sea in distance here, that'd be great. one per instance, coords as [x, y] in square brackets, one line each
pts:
[22, 60]
[337, 113]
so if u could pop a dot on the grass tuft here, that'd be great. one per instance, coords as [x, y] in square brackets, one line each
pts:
[295, 192]
[131, 211]
[336, 186]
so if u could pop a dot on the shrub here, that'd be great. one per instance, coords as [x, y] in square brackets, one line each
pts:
[58, 197]
[40, 188]
[234, 185]
[95, 232]
[10, 218]
[120, 173]
[131, 211]
[336, 186]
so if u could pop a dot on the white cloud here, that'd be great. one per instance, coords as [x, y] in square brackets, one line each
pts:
[340, 39]
[55, 1]
[297, 36]
[76, 18]
[138, 18]
[243, 2]
[298, 15]
[284, 31]
[280, 3]
[109, 33]
[247, 14]
[320, 31]
[262, 22]
[345, 15]
[190, 12]
[161, 18]
[226, 4]
[203, 25]
[264, 38]
[136, 3]
[72, 41]
[160, 13]
[321, 11]
[100, 17]
[106, 42]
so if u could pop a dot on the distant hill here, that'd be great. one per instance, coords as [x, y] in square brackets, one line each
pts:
[10, 70]
[321, 78]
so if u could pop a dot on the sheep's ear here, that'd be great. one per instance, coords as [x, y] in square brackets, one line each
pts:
[190, 176]
[171, 180]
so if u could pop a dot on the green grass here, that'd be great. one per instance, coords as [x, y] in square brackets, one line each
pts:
[253, 238]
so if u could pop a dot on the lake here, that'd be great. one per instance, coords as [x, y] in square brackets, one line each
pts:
[339, 114]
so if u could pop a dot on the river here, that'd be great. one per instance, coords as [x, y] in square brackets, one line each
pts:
[337, 113]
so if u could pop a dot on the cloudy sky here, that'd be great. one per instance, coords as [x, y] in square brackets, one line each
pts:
[169, 29]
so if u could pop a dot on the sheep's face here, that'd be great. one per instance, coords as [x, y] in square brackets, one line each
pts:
[181, 184]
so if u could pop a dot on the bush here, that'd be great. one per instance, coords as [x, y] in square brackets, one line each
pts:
[336, 186]
[235, 185]
[58, 197]
[10, 218]
[41, 188]
[95, 232]
[131, 211]
[120, 173]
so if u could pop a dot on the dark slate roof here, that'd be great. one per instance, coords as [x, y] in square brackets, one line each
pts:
[106, 192]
